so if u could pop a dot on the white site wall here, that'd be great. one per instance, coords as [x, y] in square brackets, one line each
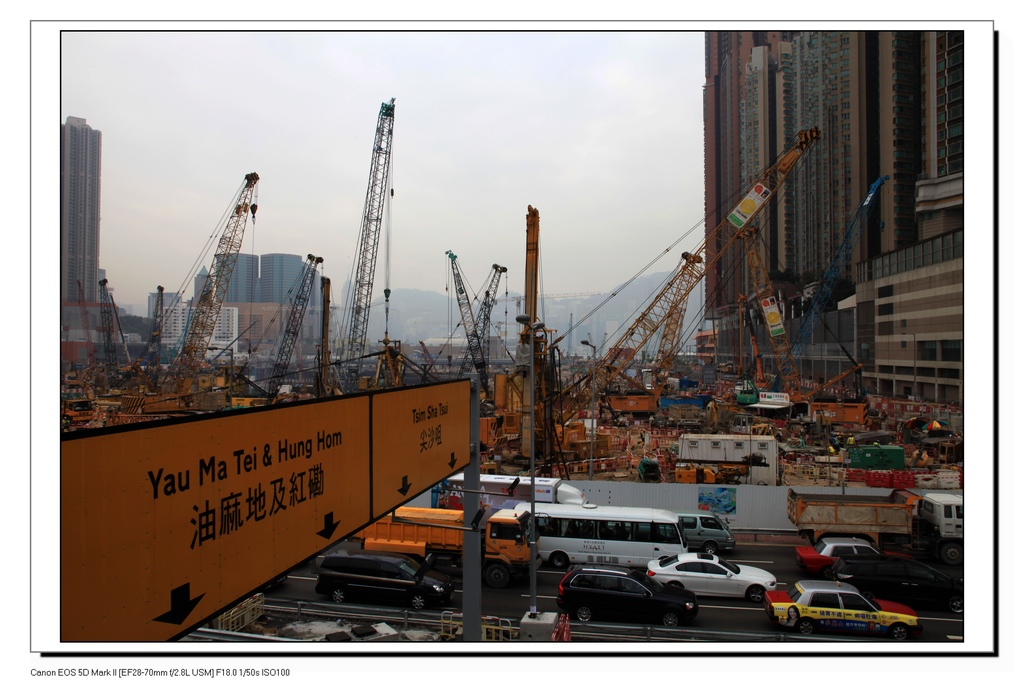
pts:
[761, 508]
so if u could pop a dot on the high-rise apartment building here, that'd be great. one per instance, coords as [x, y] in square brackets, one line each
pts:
[887, 103]
[80, 166]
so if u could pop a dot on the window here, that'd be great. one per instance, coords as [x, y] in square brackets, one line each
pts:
[710, 523]
[886, 308]
[825, 600]
[666, 533]
[855, 602]
[631, 586]
[891, 570]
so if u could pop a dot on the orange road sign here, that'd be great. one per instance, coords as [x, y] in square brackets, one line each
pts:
[418, 438]
[165, 525]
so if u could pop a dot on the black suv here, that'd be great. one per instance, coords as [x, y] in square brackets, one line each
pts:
[901, 579]
[617, 593]
[370, 576]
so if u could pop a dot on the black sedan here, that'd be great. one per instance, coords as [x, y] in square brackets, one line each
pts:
[902, 580]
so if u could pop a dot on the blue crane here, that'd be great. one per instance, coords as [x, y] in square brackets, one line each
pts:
[836, 270]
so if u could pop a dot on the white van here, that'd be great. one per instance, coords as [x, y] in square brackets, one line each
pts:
[707, 532]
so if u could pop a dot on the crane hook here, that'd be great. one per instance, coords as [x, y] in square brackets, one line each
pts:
[252, 210]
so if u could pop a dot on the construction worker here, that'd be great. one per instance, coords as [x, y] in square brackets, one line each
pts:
[851, 441]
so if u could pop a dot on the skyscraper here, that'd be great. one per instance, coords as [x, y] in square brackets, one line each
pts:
[80, 159]
[244, 285]
[279, 274]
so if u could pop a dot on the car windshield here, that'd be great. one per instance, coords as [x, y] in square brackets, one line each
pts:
[408, 567]
[668, 560]
[653, 585]
[820, 546]
[794, 593]
[729, 565]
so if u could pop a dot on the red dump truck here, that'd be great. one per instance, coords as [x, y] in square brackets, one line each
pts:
[933, 522]
[439, 531]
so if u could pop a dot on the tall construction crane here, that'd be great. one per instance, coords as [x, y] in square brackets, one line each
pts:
[366, 255]
[211, 298]
[107, 314]
[835, 271]
[150, 359]
[475, 332]
[670, 303]
[90, 353]
[486, 307]
[291, 330]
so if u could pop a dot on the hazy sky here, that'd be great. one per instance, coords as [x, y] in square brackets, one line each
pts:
[600, 131]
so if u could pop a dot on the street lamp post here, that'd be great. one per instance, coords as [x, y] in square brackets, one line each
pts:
[524, 320]
[593, 413]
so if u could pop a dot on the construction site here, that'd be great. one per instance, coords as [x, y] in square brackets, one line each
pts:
[641, 408]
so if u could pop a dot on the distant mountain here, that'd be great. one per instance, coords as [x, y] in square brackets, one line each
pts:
[415, 315]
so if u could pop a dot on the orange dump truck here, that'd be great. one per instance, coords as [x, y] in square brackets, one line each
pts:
[438, 531]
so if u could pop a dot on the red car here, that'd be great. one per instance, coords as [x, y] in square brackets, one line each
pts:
[818, 559]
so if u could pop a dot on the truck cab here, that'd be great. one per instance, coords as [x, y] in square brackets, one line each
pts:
[945, 511]
[506, 547]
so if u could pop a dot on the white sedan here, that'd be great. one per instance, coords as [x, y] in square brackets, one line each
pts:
[710, 575]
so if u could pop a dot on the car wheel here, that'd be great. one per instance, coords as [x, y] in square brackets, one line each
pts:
[418, 601]
[338, 594]
[827, 573]
[670, 619]
[956, 605]
[898, 631]
[755, 593]
[709, 547]
[559, 560]
[497, 576]
[805, 626]
[584, 613]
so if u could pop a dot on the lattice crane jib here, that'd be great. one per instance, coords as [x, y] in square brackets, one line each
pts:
[671, 300]
[369, 237]
[210, 300]
[295, 316]
[109, 348]
[483, 329]
[835, 271]
[476, 330]
[90, 354]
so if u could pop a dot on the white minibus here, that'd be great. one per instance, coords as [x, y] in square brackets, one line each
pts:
[591, 533]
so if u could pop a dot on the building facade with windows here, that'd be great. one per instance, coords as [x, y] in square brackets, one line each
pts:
[81, 150]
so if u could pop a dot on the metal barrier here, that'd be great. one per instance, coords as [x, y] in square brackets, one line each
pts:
[242, 615]
[493, 628]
